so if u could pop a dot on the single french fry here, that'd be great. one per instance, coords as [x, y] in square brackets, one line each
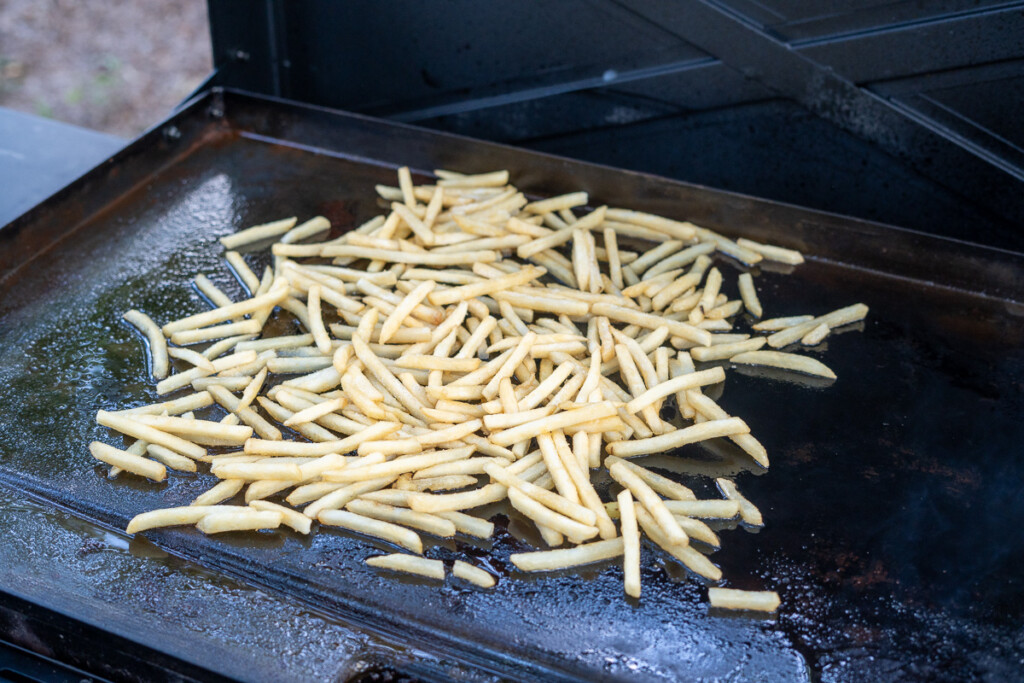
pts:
[409, 564]
[726, 351]
[128, 462]
[552, 560]
[675, 328]
[704, 509]
[437, 503]
[185, 404]
[392, 533]
[474, 575]
[665, 442]
[749, 295]
[772, 253]
[315, 412]
[276, 294]
[733, 599]
[197, 431]
[258, 233]
[222, 491]
[157, 343]
[468, 524]
[630, 544]
[669, 387]
[785, 361]
[170, 459]
[258, 471]
[244, 519]
[816, 336]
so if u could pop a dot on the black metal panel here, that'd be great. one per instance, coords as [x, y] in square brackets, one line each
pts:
[527, 71]
[779, 150]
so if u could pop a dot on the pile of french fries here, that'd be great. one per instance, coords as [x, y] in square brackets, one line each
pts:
[465, 348]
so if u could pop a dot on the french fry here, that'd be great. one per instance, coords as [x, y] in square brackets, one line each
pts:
[733, 599]
[474, 575]
[244, 519]
[222, 491]
[680, 437]
[630, 544]
[409, 564]
[128, 462]
[771, 253]
[157, 343]
[197, 431]
[258, 233]
[552, 560]
[784, 361]
[386, 531]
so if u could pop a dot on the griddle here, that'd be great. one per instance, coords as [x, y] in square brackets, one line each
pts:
[892, 505]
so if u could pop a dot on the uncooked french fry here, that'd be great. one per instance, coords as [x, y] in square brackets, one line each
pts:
[630, 544]
[387, 531]
[245, 519]
[785, 361]
[157, 343]
[474, 575]
[409, 564]
[551, 560]
[731, 598]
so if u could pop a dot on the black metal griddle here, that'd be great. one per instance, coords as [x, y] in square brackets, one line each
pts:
[892, 505]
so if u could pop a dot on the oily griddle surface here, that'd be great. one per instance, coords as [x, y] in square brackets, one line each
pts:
[892, 505]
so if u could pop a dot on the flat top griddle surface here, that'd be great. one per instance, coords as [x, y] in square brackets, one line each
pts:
[892, 505]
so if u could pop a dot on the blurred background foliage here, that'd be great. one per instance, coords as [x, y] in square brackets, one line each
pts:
[117, 66]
